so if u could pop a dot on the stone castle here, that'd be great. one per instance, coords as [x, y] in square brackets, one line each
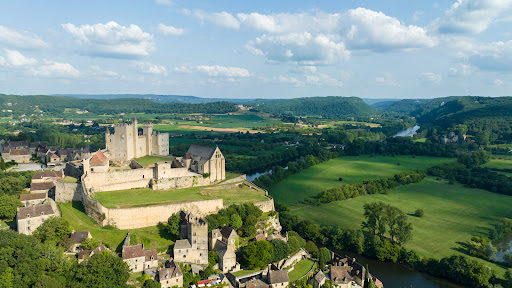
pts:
[126, 143]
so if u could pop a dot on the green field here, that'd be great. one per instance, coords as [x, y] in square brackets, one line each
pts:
[238, 121]
[179, 140]
[149, 160]
[499, 164]
[453, 214]
[300, 269]
[178, 129]
[353, 169]
[69, 179]
[146, 196]
[152, 237]
[507, 157]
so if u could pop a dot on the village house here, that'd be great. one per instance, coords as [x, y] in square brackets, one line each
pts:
[346, 272]
[45, 187]
[21, 155]
[319, 279]
[170, 276]
[29, 199]
[139, 259]
[30, 217]
[193, 244]
[278, 278]
[83, 254]
[225, 241]
[47, 176]
[76, 239]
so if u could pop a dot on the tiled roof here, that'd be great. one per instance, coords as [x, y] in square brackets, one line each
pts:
[19, 152]
[79, 236]
[136, 251]
[41, 186]
[319, 277]
[182, 244]
[279, 276]
[99, 159]
[171, 272]
[35, 211]
[46, 174]
[341, 274]
[32, 196]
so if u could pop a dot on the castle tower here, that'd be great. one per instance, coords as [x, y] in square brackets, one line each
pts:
[107, 139]
[135, 134]
[147, 131]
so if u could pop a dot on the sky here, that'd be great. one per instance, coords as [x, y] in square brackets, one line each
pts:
[257, 49]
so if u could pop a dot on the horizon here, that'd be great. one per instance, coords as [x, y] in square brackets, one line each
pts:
[263, 50]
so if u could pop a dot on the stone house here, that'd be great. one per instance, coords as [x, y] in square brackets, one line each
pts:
[203, 160]
[319, 279]
[170, 276]
[139, 259]
[47, 176]
[30, 217]
[21, 155]
[45, 187]
[52, 157]
[76, 239]
[33, 198]
[278, 278]
[193, 244]
[346, 272]
[97, 163]
[224, 241]
[83, 254]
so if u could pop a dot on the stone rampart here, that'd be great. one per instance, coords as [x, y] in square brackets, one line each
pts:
[67, 192]
[235, 180]
[138, 217]
[115, 177]
[126, 185]
[265, 206]
[179, 182]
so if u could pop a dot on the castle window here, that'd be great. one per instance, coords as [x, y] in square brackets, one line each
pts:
[28, 215]
[42, 213]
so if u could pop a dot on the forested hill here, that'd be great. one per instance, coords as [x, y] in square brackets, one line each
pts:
[55, 104]
[403, 106]
[158, 98]
[331, 106]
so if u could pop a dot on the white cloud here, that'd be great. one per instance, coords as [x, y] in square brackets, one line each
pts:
[222, 19]
[96, 70]
[430, 78]
[289, 80]
[112, 39]
[386, 80]
[20, 39]
[494, 56]
[498, 82]
[170, 30]
[461, 70]
[472, 16]
[322, 79]
[14, 58]
[215, 71]
[164, 2]
[54, 69]
[300, 48]
[150, 68]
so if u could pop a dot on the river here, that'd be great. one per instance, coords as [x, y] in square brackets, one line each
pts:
[399, 276]
[409, 132]
[504, 246]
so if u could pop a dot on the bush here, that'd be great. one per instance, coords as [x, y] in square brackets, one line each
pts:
[419, 212]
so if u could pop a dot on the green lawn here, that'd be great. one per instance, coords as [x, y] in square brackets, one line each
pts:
[420, 140]
[499, 163]
[146, 196]
[69, 179]
[353, 169]
[499, 156]
[2, 224]
[453, 214]
[237, 121]
[244, 272]
[152, 237]
[300, 269]
[149, 160]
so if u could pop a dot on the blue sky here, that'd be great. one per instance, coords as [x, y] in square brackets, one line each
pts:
[257, 49]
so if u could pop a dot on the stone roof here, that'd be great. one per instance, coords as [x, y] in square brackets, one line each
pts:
[99, 159]
[260, 237]
[42, 186]
[341, 274]
[182, 244]
[35, 211]
[278, 276]
[319, 277]
[227, 232]
[32, 196]
[96, 250]
[136, 251]
[256, 283]
[19, 152]
[79, 236]
[17, 144]
[171, 272]
[48, 174]
[201, 151]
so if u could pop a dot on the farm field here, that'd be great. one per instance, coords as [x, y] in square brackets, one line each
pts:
[146, 196]
[335, 123]
[453, 214]
[149, 160]
[300, 269]
[152, 237]
[238, 121]
[353, 169]
[499, 164]
[506, 157]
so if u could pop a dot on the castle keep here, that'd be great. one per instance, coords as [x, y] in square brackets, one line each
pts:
[126, 143]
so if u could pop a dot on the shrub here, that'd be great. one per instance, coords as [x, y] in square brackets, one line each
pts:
[419, 212]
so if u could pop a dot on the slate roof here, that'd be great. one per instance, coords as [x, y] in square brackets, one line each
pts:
[47, 174]
[341, 274]
[17, 144]
[201, 151]
[32, 196]
[171, 272]
[79, 236]
[96, 250]
[319, 277]
[182, 244]
[256, 283]
[35, 211]
[41, 186]
[136, 251]
[227, 232]
[278, 276]
[99, 159]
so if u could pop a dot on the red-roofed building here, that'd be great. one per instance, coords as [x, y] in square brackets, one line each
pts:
[97, 163]
[139, 259]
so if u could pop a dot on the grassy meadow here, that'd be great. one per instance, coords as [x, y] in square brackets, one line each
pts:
[453, 214]
[353, 169]
[146, 196]
[152, 237]
[150, 160]
[300, 269]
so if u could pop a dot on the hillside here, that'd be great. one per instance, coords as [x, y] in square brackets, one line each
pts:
[328, 107]
[403, 106]
[53, 105]
[158, 98]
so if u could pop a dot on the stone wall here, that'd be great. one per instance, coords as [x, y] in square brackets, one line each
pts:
[236, 179]
[67, 192]
[179, 182]
[115, 177]
[138, 217]
[126, 185]
[265, 206]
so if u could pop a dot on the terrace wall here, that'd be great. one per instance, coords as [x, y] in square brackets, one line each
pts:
[67, 192]
[179, 182]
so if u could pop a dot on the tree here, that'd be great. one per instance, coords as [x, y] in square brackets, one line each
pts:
[281, 250]
[235, 221]
[419, 212]
[11, 185]
[6, 278]
[508, 258]
[101, 270]
[150, 283]
[258, 254]
[53, 230]
[403, 230]
[8, 205]
[295, 242]
[373, 213]
[173, 224]
[324, 257]
[312, 249]
[47, 282]
[90, 243]
[213, 258]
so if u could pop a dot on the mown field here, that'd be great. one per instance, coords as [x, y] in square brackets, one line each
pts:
[453, 214]
[146, 196]
[300, 269]
[500, 164]
[238, 121]
[152, 237]
[353, 169]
